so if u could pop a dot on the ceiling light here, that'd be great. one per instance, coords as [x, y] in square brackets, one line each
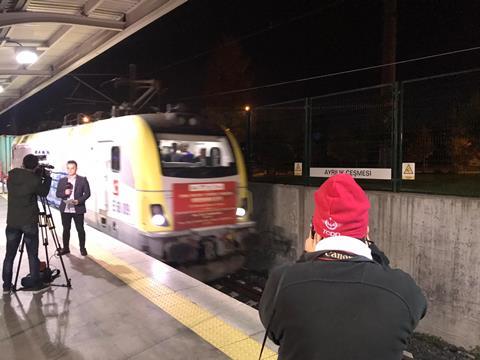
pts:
[26, 56]
[1, 89]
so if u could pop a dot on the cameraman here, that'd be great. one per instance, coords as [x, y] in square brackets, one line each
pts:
[341, 300]
[24, 185]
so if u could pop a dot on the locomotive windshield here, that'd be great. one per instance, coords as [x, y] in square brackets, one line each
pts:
[196, 156]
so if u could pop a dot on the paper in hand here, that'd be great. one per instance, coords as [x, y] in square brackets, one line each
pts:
[70, 203]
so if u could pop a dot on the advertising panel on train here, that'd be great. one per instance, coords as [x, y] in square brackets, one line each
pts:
[204, 204]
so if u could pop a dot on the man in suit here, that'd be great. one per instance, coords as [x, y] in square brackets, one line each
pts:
[74, 190]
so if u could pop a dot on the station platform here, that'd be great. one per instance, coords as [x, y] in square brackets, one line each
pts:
[123, 304]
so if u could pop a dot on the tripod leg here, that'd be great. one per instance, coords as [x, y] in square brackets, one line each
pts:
[22, 245]
[43, 224]
[57, 244]
[49, 223]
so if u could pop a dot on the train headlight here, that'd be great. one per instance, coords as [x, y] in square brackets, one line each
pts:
[158, 220]
[242, 208]
[241, 212]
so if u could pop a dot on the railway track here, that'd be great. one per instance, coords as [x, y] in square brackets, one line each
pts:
[244, 286]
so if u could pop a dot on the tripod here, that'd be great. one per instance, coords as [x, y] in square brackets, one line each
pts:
[46, 224]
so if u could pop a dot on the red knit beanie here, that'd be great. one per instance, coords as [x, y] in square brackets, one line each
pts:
[341, 208]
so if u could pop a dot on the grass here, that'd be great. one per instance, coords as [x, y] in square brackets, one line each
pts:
[446, 184]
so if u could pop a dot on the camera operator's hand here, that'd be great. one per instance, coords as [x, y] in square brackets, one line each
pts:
[310, 243]
[75, 202]
[68, 192]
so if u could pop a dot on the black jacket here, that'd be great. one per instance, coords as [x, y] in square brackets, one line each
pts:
[341, 309]
[81, 193]
[23, 187]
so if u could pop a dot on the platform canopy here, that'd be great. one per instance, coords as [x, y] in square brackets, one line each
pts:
[63, 34]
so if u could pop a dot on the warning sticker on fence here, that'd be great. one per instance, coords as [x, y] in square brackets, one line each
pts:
[298, 169]
[408, 171]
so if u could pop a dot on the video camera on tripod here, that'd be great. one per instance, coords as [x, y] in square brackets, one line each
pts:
[43, 170]
[46, 226]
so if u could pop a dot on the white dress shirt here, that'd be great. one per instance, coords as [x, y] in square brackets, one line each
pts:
[70, 208]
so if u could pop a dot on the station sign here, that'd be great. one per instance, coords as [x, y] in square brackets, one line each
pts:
[357, 173]
[204, 204]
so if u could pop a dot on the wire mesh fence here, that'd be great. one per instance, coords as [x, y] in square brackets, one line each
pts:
[427, 129]
[353, 130]
[441, 129]
[277, 140]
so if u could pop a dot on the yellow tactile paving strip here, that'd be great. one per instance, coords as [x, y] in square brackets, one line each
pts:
[233, 342]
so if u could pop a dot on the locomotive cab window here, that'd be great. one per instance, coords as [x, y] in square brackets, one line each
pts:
[115, 158]
[196, 156]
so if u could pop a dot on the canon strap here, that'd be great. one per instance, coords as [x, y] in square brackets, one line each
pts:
[279, 285]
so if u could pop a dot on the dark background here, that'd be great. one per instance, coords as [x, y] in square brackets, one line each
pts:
[207, 47]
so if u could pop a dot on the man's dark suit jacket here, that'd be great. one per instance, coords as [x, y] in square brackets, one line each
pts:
[81, 193]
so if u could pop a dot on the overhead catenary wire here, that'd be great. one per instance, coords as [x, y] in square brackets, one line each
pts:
[227, 43]
[253, 34]
[328, 75]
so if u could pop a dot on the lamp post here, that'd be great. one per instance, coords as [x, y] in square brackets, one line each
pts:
[83, 118]
[249, 136]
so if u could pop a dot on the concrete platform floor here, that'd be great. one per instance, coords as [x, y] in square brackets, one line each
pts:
[123, 305]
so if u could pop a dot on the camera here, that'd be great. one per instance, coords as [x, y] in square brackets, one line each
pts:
[43, 170]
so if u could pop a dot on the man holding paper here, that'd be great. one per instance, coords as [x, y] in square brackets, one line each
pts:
[74, 190]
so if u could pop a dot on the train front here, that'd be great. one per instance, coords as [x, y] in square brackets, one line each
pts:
[205, 207]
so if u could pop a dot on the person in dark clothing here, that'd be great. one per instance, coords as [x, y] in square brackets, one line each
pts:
[186, 156]
[74, 190]
[24, 185]
[341, 300]
[202, 157]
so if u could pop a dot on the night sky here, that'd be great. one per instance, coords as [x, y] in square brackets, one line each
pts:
[209, 46]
